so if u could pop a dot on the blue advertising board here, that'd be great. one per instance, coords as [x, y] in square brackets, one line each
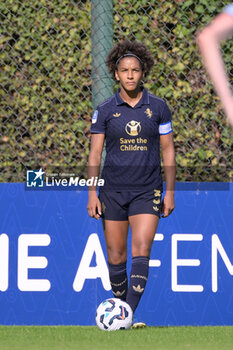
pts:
[53, 267]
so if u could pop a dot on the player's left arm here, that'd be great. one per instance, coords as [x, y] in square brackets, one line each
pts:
[169, 165]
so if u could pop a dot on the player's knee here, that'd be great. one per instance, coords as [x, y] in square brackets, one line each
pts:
[116, 256]
[141, 250]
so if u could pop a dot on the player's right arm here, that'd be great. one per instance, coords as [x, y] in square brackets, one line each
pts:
[94, 162]
[208, 41]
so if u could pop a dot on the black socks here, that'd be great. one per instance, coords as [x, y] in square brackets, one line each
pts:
[138, 279]
[119, 280]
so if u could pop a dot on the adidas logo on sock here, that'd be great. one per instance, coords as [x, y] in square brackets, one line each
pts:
[138, 289]
[118, 293]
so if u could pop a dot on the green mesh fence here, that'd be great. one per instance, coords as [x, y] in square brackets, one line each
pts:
[46, 84]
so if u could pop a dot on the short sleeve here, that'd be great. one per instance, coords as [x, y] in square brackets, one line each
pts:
[98, 122]
[229, 9]
[165, 125]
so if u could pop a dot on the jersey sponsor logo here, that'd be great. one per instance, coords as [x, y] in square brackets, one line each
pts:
[116, 115]
[133, 128]
[94, 118]
[148, 112]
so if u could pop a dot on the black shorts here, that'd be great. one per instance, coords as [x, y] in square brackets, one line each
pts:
[120, 205]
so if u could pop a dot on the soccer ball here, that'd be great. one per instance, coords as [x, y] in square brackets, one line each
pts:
[113, 314]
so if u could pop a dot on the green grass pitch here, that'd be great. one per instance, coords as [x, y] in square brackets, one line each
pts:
[91, 338]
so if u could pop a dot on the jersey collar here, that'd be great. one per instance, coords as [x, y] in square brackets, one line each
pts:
[144, 100]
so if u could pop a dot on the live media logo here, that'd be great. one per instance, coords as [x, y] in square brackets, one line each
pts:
[35, 178]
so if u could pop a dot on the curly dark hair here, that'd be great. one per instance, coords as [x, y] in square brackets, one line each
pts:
[134, 47]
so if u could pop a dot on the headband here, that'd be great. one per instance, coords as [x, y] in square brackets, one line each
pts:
[129, 54]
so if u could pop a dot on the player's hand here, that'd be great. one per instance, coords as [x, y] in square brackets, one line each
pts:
[168, 204]
[94, 205]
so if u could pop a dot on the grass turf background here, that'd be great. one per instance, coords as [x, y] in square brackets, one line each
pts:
[86, 338]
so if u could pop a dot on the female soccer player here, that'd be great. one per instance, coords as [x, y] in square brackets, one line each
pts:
[134, 123]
